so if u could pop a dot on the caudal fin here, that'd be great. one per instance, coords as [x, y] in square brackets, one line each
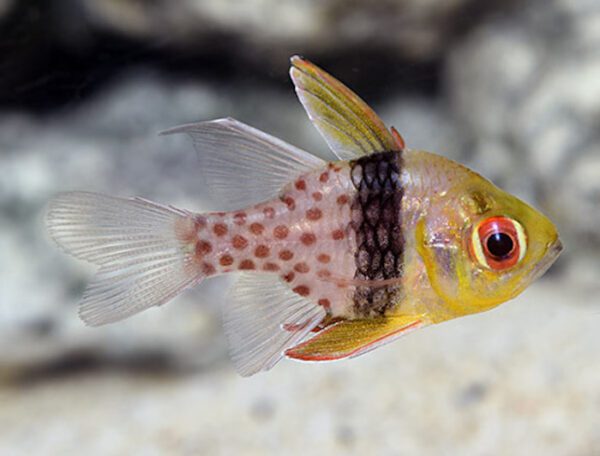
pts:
[140, 246]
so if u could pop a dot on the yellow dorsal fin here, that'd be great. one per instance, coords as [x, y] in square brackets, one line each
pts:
[351, 338]
[348, 124]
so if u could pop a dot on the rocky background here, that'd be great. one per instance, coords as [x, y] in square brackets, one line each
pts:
[511, 88]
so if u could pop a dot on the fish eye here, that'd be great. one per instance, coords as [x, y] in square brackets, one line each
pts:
[498, 243]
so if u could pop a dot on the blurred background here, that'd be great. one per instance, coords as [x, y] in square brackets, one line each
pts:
[510, 88]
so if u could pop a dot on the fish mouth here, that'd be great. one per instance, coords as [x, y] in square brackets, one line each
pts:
[552, 253]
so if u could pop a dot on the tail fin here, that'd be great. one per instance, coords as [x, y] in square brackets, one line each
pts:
[140, 246]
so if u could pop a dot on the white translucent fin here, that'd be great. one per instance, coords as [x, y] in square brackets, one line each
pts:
[263, 318]
[134, 241]
[242, 165]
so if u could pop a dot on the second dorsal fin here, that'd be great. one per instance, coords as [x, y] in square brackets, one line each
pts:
[242, 165]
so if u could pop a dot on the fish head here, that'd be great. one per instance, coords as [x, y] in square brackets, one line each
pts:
[482, 246]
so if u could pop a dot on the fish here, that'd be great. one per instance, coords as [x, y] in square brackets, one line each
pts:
[332, 259]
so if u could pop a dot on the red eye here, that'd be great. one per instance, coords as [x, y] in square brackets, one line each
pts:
[498, 243]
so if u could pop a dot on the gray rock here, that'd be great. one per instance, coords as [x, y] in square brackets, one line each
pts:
[520, 380]
[275, 29]
[425, 124]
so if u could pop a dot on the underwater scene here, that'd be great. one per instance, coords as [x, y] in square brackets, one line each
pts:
[300, 227]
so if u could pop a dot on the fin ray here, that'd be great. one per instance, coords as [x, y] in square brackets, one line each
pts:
[340, 121]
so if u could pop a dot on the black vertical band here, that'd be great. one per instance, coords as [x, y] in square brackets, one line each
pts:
[377, 222]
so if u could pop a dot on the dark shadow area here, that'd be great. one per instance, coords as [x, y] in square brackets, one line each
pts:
[146, 365]
[52, 60]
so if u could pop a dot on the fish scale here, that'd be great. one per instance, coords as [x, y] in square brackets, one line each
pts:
[377, 221]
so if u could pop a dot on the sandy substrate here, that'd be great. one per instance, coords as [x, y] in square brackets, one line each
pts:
[522, 379]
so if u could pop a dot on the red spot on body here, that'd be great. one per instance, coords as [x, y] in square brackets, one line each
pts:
[325, 303]
[323, 274]
[302, 268]
[239, 218]
[308, 238]
[337, 235]
[220, 229]
[262, 251]
[300, 184]
[324, 177]
[257, 229]
[288, 277]
[203, 248]
[289, 202]
[302, 290]
[269, 212]
[226, 260]
[281, 232]
[314, 213]
[342, 199]
[239, 242]
[286, 255]
[247, 265]
[324, 258]
[317, 196]
[270, 267]
[208, 268]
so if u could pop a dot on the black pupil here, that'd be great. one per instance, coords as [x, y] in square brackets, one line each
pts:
[500, 245]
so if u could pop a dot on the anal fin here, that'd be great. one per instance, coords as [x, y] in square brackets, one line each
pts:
[351, 338]
[263, 318]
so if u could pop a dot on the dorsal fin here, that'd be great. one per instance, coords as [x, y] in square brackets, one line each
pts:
[242, 165]
[348, 124]
[351, 338]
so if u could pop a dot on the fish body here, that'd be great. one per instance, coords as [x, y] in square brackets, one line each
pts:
[333, 258]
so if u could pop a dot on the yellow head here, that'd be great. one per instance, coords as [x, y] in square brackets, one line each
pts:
[482, 246]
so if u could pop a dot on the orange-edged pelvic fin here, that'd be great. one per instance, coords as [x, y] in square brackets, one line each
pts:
[348, 124]
[351, 338]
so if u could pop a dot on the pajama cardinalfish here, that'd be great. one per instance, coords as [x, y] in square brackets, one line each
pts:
[332, 258]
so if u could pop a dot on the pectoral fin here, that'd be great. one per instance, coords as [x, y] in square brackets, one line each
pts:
[351, 338]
